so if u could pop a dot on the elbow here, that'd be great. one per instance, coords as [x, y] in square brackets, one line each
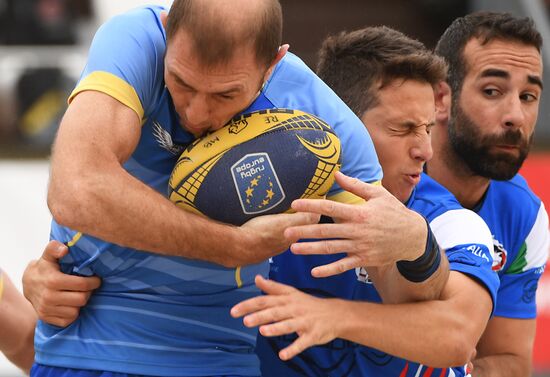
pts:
[456, 353]
[460, 346]
[60, 208]
[461, 353]
[66, 203]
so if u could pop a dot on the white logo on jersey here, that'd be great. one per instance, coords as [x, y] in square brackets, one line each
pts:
[165, 139]
[363, 275]
[478, 252]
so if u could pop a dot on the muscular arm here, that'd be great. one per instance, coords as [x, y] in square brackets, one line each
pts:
[407, 325]
[90, 191]
[505, 348]
[17, 321]
[395, 329]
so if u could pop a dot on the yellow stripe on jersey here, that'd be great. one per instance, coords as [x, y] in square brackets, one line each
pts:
[238, 277]
[348, 197]
[1, 285]
[112, 85]
[75, 239]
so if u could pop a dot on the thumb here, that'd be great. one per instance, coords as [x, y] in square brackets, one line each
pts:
[362, 189]
[54, 251]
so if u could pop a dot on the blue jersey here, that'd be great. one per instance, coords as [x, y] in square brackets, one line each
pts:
[519, 224]
[169, 316]
[467, 243]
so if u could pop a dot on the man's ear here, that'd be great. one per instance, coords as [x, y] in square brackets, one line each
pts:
[280, 55]
[164, 18]
[443, 100]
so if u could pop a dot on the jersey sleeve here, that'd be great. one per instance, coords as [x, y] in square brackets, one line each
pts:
[468, 245]
[125, 60]
[519, 282]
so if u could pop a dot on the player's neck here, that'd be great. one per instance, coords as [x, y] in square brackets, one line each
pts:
[451, 172]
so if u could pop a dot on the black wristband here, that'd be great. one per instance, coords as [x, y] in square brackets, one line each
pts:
[422, 268]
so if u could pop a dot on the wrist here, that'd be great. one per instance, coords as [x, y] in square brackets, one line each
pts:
[232, 246]
[418, 236]
[422, 268]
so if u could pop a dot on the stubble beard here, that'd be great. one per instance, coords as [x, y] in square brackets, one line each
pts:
[474, 148]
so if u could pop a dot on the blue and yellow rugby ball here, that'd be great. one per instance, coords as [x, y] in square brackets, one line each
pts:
[255, 165]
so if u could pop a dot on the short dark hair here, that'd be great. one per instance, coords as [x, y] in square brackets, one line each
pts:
[486, 26]
[215, 41]
[359, 63]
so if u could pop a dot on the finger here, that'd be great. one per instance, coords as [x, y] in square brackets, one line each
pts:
[287, 220]
[282, 327]
[68, 313]
[319, 231]
[64, 282]
[271, 315]
[272, 287]
[322, 207]
[58, 321]
[54, 251]
[338, 267]
[322, 247]
[298, 346]
[355, 186]
[68, 298]
[253, 305]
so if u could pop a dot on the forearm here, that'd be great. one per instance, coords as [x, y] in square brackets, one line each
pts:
[17, 322]
[506, 348]
[501, 365]
[112, 205]
[22, 358]
[400, 329]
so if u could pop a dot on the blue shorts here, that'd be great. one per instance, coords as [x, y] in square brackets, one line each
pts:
[39, 370]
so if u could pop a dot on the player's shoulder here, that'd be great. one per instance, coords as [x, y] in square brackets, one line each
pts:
[143, 13]
[292, 66]
[294, 85]
[512, 202]
[515, 190]
[136, 22]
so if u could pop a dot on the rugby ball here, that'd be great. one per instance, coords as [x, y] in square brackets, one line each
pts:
[257, 164]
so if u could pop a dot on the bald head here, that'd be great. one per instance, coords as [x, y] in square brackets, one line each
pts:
[220, 28]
